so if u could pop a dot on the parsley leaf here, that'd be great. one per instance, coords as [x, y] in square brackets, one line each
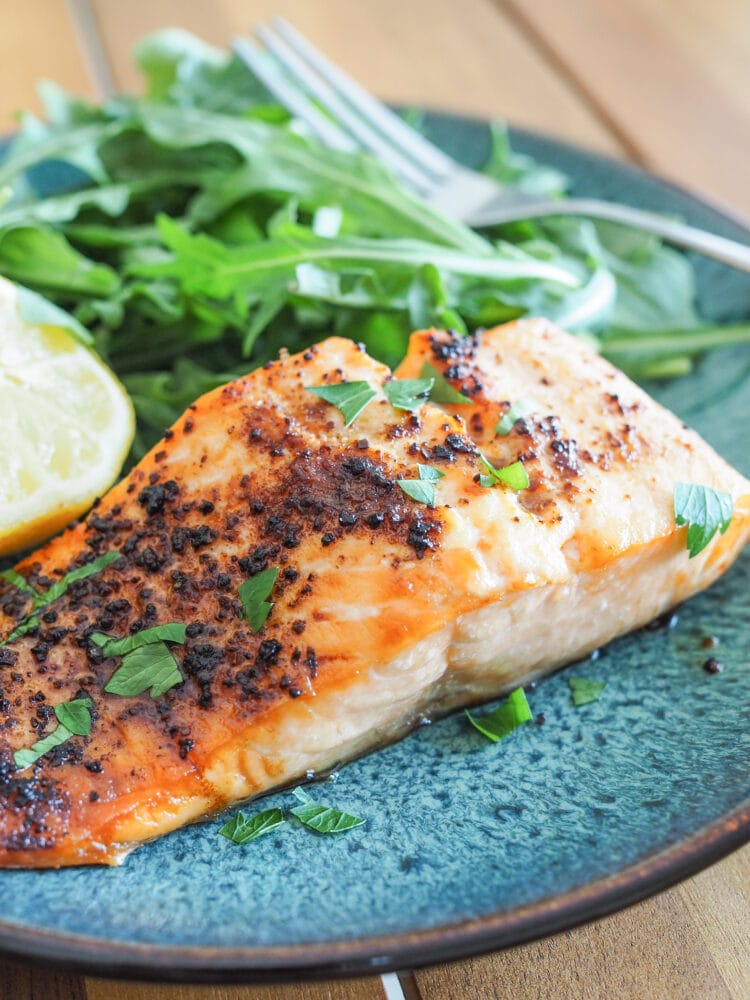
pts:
[442, 391]
[170, 632]
[509, 716]
[583, 690]
[519, 409]
[513, 475]
[152, 666]
[704, 510]
[42, 600]
[322, 819]
[240, 830]
[20, 583]
[75, 715]
[74, 720]
[423, 489]
[348, 397]
[408, 393]
[253, 594]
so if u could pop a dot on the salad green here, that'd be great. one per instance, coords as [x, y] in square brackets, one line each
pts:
[196, 230]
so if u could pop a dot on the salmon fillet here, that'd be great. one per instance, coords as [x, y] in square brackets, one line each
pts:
[385, 610]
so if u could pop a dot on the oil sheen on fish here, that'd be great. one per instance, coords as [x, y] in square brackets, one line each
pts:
[385, 609]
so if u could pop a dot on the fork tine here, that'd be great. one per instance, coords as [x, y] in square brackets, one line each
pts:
[427, 155]
[330, 99]
[291, 97]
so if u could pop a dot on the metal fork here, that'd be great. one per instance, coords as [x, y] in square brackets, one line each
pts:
[292, 68]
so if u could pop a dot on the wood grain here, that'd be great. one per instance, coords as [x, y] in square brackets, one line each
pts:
[460, 57]
[37, 41]
[647, 70]
[351, 989]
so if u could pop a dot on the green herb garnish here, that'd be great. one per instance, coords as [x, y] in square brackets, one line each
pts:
[170, 632]
[442, 391]
[423, 489]
[241, 830]
[348, 397]
[147, 667]
[74, 719]
[704, 510]
[509, 716]
[513, 475]
[583, 690]
[254, 593]
[322, 819]
[519, 409]
[42, 599]
[408, 393]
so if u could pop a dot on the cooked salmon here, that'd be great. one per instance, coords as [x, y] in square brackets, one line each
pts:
[384, 609]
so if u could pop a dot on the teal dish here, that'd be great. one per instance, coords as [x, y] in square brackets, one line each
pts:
[468, 846]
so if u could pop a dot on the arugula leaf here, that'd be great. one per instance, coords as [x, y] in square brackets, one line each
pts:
[169, 632]
[423, 489]
[74, 720]
[75, 715]
[442, 391]
[513, 475]
[322, 819]
[519, 409]
[254, 593]
[583, 690]
[348, 397]
[152, 666]
[408, 393]
[509, 716]
[240, 830]
[705, 511]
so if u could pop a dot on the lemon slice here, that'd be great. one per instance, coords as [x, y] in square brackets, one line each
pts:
[66, 425]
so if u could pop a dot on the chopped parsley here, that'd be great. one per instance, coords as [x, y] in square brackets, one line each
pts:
[74, 719]
[240, 830]
[254, 593]
[514, 475]
[519, 409]
[408, 393]
[322, 819]
[442, 391]
[42, 599]
[583, 690]
[348, 397]
[704, 510]
[423, 489]
[147, 661]
[509, 716]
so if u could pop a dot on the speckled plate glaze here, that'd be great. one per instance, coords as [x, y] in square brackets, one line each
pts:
[468, 846]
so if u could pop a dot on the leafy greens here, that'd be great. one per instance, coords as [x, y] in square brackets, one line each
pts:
[193, 232]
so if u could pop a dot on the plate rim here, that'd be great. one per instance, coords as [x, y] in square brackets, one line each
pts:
[373, 955]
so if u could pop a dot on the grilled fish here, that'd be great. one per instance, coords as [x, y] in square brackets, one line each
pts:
[385, 610]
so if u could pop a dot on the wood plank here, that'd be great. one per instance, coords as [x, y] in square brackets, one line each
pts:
[638, 64]
[719, 902]
[26, 982]
[345, 989]
[653, 950]
[425, 53]
[37, 41]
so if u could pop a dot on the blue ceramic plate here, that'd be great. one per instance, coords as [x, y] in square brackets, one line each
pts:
[468, 846]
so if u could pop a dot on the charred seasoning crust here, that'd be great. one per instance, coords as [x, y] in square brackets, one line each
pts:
[184, 550]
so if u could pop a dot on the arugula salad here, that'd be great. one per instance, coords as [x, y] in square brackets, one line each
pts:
[189, 234]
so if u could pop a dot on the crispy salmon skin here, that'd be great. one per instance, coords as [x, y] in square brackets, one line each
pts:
[384, 609]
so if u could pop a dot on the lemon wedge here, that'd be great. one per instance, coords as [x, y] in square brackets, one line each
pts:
[66, 425]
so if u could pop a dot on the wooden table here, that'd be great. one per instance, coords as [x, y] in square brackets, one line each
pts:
[665, 83]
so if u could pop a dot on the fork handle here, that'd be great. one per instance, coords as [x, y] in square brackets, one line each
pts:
[688, 237]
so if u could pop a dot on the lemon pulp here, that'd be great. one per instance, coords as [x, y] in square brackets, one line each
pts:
[66, 425]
